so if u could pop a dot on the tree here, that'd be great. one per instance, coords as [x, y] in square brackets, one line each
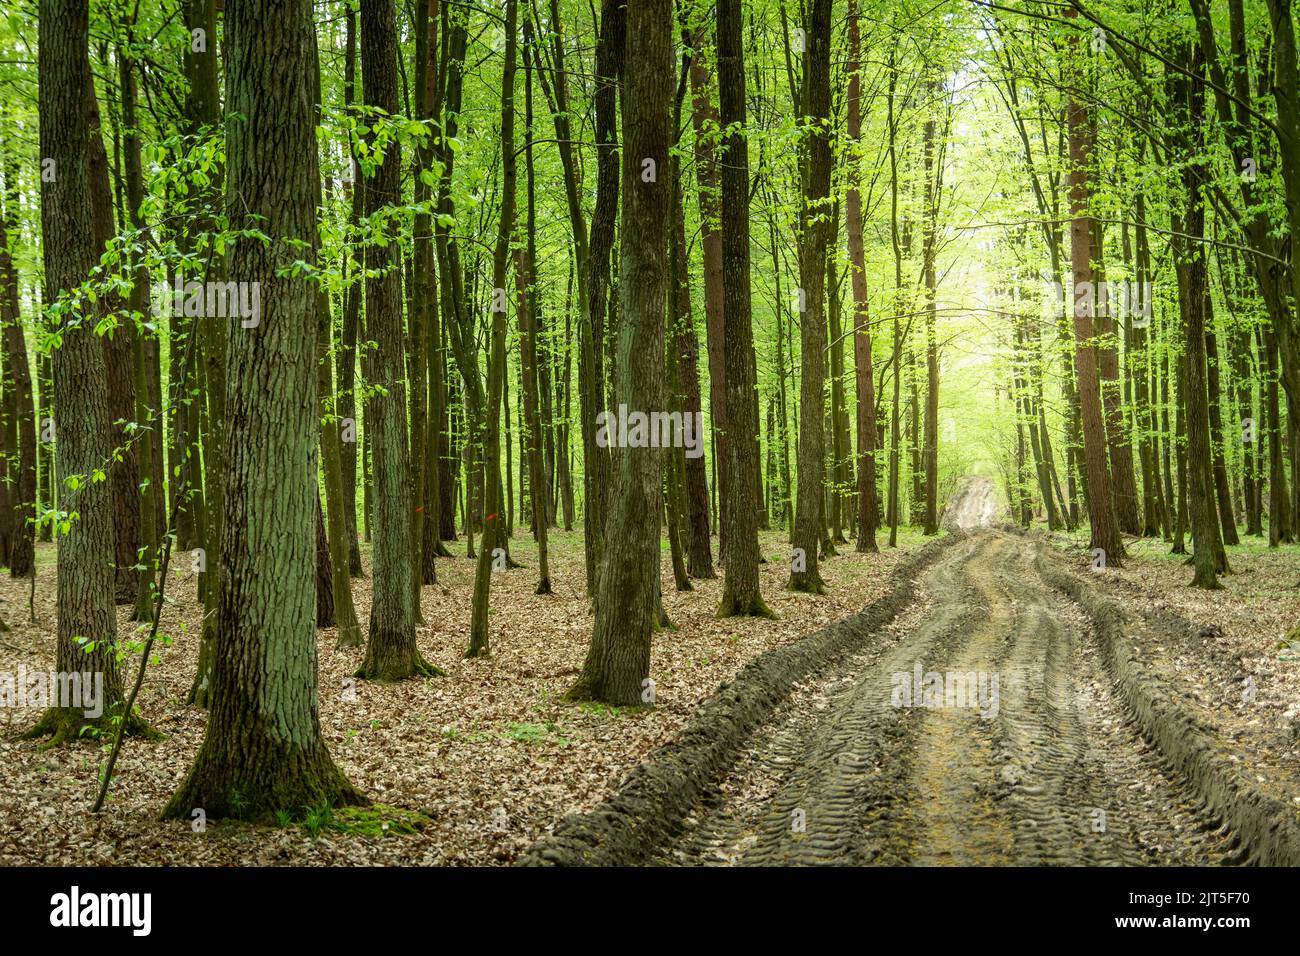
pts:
[528, 352]
[493, 513]
[1101, 513]
[391, 653]
[740, 592]
[87, 623]
[22, 543]
[1208, 556]
[263, 749]
[202, 117]
[867, 517]
[814, 228]
[617, 667]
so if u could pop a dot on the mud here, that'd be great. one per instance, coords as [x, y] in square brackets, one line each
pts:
[1041, 746]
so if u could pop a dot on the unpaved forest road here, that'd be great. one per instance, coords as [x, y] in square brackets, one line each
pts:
[973, 506]
[1047, 771]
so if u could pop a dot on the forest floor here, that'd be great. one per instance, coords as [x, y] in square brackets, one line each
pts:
[1224, 653]
[1111, 718]
[1055, 767]
[490, 754]
[1039, 768]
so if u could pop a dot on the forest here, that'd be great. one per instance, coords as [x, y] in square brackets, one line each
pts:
[612, 431]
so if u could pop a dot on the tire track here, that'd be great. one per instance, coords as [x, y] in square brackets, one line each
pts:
[1046, 770]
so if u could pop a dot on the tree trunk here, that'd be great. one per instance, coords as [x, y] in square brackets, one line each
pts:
[740, 594]
[704, 119]
[1101, 514]
[813, 228]
[263, 749]
[86, 550]
[145, 439]
[867, 517]
[1207, 555]
[932, 166]
[22, 541]
[493, 538]
[528, 349]
[391, 653]
[617, 668]
[686, 346]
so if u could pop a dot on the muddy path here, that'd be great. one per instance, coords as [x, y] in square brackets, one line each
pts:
[1010, 749]
[977, 720]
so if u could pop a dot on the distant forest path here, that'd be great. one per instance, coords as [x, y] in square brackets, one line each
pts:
[974, 505]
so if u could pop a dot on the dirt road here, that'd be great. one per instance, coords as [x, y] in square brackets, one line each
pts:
[982, 731]
[973, 506]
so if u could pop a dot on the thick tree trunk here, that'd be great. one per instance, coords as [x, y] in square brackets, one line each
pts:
[1101, 514]
[263, 749]
[617, 668]
[391, 653]
[814, 229]
[740, 594]
[86, 615]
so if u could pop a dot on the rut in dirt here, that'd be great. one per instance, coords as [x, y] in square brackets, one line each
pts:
[985, 733]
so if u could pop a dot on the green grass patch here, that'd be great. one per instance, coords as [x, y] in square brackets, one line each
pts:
[373, 821]
[535, 733]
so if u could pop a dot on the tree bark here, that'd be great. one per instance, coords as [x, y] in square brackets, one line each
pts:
[391, 653]
[867, 517]
[86, 615]
[814, 227]
[263, 749]
[617, 668]
[23, 500]
[740, 593]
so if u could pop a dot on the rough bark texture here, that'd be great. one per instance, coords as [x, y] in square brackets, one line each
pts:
[740, 594]
[85, 555]
[617, 668]
[815, 227]
[263, 749]
[391, 653]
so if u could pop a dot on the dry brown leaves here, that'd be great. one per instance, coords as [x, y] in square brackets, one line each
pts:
[490, 753]
[1232, 666]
